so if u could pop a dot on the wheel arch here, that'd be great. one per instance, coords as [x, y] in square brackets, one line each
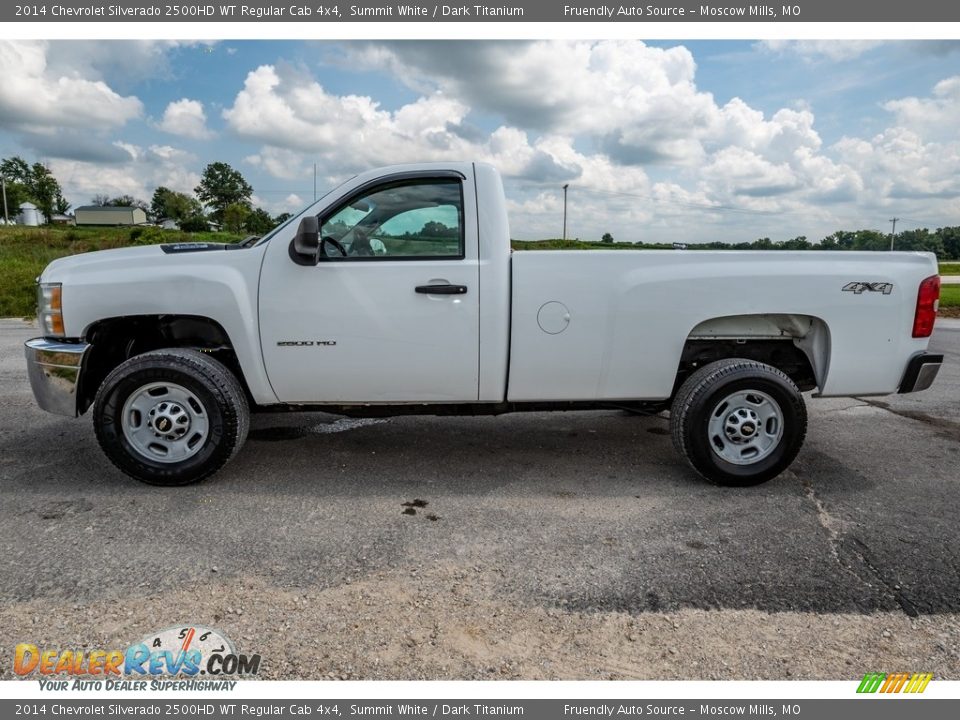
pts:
[795, 343]
[116, 339]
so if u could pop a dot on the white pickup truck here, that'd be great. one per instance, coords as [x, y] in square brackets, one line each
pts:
[397, 293]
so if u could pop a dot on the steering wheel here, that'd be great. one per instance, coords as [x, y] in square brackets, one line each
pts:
[333, 241]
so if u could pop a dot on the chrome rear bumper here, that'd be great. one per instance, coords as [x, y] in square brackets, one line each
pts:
[54, 368]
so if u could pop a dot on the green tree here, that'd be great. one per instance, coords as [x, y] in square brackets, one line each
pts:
[607, 238]
[194, 223]
[221, 186]
[100, 200]
[282, 218]
[950, 238]
[840, 240]
[16, 174]
[32, 183]
[46, 192]
[870, 240]
[235, 216]
[128, 201]
[919, 240]
[16, 170]
[437, 230]
[259, 222]
[797, 243]
[167, 203]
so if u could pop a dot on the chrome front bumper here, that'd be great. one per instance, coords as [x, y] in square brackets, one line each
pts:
[54, 368]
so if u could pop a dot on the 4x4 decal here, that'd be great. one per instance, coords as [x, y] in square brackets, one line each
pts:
[858, 288]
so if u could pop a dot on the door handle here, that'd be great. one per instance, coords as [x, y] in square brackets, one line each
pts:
[441, 289]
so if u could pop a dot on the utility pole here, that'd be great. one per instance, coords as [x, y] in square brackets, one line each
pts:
[565, 210]
[6, 217]
[314, 182]
[893, 231]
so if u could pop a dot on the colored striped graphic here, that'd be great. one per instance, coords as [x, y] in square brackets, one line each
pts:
[894, 682]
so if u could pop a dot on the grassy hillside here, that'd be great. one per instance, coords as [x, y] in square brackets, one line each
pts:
[25, 251]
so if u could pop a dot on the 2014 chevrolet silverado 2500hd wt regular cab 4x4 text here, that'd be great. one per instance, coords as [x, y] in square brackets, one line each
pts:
[397, 293]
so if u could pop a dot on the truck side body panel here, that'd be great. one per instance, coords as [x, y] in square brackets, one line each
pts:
[631, 312]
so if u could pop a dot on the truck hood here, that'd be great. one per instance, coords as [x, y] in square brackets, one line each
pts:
[123, 259]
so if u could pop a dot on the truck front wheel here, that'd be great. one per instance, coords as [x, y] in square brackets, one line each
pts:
[171, 417]
[738, 422]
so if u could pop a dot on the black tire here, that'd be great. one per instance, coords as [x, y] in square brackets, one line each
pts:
[223, 408]
[702, 394]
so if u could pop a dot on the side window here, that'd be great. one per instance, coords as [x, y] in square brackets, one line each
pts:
[413, 219]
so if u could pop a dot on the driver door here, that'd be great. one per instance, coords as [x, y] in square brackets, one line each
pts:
[391, 312]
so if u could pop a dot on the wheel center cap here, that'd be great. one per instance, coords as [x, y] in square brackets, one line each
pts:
[169, 419]
[741, 426]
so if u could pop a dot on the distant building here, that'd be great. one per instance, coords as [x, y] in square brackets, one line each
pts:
[62, 220]
[109, 215]
[169, 224]
[29, 215]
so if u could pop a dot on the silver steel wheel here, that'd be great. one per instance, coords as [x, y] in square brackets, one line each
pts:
[164, 422]
[745, 427]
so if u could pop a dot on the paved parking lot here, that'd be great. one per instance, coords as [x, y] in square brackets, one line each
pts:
[572, 545]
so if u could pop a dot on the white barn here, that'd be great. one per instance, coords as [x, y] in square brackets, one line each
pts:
[109, 215]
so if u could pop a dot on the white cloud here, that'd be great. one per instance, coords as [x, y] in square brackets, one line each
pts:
[38, 97]
[281, 162]
[146, 169]
[298, 121]
[187, 118]
[934, 117]
[641, 102]
[117, 60]
[914, 163]
[814, 50]
[291, 203]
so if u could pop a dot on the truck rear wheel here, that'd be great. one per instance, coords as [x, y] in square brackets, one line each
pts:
[171, 417]
[738, 422]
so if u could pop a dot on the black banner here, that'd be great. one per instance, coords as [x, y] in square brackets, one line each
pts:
[327, 11]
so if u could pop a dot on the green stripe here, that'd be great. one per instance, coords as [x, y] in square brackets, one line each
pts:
[871, 682]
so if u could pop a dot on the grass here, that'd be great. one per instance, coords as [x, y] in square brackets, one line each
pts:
[25, 251]
[950, 301]
[950, 268]
[950, 296]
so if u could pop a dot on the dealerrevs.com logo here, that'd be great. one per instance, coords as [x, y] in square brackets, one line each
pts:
[185, 652]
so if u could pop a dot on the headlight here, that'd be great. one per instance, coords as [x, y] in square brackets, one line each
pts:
[50, 309]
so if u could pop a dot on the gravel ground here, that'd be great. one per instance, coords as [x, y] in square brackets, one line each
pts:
[565, 545]
[449, 623]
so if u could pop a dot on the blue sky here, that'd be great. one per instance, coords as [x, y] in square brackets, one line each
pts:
[666, 140]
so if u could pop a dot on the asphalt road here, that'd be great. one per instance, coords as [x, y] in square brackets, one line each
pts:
[586, 514]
